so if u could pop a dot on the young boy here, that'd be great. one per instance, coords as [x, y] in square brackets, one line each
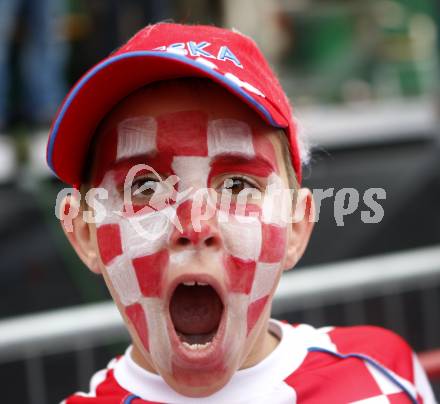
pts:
[184, 145]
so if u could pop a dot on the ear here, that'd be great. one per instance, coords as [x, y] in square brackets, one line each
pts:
[301, 228]
[79, 232]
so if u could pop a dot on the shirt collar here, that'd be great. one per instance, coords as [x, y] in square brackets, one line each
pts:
[255, 381]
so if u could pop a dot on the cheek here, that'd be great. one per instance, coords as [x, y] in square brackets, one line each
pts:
[240, 274]
[136, 270]
[273, 245]
[136, 276]
[108, 237]
[254, 312]
[267, 271]
[242, 237]
[149, 271]
[253, 260]
[137, 316]
[227, 207]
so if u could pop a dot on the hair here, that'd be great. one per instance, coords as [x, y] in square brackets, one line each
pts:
[287, 158]
[197, 84]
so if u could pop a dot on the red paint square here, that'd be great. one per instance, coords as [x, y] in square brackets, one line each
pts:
[136, 314]
[149, 270]
[109, 242]
[263, 146]
[183, 133]
[273, 245]
[240, 273]
[254, 311]
[183, 213]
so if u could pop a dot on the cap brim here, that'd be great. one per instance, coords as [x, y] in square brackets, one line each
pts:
[101, 88]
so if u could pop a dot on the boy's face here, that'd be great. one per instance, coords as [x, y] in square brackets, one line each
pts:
[192, 244]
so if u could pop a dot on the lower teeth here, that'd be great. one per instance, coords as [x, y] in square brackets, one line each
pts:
[195, 347]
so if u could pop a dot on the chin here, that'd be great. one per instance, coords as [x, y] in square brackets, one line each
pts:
[194, 383]
[197, 335]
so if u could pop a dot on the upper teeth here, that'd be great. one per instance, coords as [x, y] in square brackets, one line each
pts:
[192, 283]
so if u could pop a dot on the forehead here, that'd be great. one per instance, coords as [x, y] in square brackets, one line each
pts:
[175, 117]
[179, 95]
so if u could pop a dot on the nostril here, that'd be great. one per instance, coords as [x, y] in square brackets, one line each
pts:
[183, 241]
[210, 241]
[196, 240]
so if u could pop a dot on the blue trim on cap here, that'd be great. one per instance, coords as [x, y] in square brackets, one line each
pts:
[160, 54]
[382, 369]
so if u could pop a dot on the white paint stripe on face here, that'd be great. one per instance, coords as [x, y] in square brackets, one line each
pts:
[265, 277]
[124, 281]
[181, 258]
[236, 324]
[114, 203]
[242, 240]
[159, 341]
[192, 172]
[145, 234]
[229, 136]
[136, 136]
[277, 203]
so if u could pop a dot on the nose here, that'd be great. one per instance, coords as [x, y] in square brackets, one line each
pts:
[204, 238]
[205, 235]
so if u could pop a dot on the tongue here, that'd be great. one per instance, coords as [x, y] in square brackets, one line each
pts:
[195, 309]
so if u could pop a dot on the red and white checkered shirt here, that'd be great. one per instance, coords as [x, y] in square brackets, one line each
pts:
[361, 364]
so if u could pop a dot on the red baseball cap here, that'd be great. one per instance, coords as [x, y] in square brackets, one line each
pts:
[159, 52]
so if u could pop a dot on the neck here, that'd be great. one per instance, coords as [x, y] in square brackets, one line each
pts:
[139, 359]
[264, 345]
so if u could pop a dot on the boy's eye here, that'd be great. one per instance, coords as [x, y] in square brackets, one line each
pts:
[237, 184]
[145, 187]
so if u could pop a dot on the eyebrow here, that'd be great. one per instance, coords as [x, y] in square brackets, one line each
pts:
[255, 165]
[134, 157]
[222, 159]
[124, 164]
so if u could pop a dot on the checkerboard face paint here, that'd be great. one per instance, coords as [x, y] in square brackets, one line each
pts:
[192, 294]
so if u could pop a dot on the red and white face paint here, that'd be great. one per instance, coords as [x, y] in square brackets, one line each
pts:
[144, 261]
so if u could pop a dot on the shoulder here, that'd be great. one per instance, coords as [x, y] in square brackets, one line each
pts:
[382, 345]
[377, 342]
[103, 389]
[368, 357]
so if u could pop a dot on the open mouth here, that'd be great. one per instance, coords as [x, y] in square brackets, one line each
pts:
[196, 311]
